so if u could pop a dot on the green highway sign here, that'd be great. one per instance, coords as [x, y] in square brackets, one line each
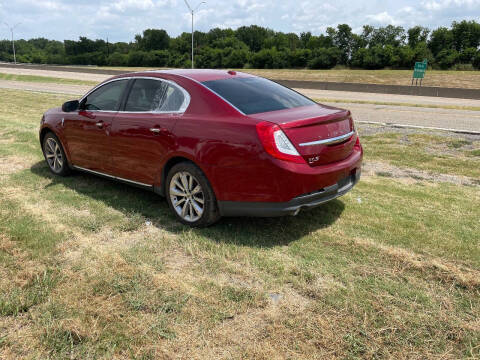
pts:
[420, 69]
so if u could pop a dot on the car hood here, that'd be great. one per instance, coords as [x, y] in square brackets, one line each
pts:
[55, 110]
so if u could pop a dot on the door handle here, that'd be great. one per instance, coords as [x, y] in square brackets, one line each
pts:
[99, 124]
[156, 130]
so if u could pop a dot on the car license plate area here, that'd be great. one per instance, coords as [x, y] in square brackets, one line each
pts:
[345, 182]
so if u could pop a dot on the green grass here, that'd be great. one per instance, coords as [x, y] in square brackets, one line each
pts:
[457, 144]
[44, 79]
[390, 270]
[433, 153]
[30, 232]
[392, 103]
[474, 152]
[20, 300]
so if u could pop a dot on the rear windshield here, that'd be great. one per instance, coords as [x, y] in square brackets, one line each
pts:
[254, 95]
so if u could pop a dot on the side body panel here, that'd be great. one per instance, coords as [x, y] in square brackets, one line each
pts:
[87, 135]
[137, 149]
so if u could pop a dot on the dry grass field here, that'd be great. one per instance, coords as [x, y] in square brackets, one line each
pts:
[92, 269]
[44, 79]
[455, 79]
[441, 78]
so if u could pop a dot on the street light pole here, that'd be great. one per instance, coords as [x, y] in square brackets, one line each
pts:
[193, 66]
[192, 11]
[13, 41]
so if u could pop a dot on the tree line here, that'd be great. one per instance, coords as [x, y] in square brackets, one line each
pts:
[253, 46]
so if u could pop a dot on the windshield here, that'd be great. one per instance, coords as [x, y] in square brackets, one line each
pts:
[255, 95]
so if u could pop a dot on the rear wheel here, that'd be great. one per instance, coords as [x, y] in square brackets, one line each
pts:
[190, 196]
[55, 155]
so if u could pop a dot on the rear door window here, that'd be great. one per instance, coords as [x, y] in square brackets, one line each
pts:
[148, 95]
[254, 95]
[174, 99]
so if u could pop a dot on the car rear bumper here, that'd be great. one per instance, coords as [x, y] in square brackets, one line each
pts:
[292, 207]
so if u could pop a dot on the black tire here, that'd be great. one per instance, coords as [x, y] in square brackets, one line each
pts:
[59, 166]
[210, 213]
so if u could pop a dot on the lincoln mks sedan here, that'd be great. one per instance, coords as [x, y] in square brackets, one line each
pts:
[214, 143]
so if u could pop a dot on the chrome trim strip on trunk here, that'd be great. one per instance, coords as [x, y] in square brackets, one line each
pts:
[110, 176]
[329, 141]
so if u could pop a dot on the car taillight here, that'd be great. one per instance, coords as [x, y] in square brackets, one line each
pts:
[276, 143]
[357, 143]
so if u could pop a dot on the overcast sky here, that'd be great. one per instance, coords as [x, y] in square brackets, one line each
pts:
[120, 20]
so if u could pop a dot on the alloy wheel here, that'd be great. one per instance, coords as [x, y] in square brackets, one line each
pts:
[53, 154]
[187, 197]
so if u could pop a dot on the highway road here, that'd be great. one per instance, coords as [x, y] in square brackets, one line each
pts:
[422, 113]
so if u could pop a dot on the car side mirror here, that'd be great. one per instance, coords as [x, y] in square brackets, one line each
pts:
[70, 106]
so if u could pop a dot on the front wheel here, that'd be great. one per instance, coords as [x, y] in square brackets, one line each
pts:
[55, 155]
[190, 196]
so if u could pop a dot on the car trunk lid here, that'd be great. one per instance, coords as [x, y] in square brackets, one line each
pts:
[321, 134]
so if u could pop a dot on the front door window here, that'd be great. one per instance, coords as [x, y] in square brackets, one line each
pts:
[105, 98]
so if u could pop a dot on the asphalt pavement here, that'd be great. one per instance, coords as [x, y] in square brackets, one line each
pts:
[422, 113]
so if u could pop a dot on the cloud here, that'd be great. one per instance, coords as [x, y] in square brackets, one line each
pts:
[383, 18]
[124, 5]
[120, 20]
[438, 5]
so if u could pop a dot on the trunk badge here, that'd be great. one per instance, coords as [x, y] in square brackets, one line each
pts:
[313, 159]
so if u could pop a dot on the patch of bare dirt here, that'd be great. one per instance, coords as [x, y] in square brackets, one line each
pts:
[371, 168]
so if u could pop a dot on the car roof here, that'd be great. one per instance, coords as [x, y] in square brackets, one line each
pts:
[201, 75]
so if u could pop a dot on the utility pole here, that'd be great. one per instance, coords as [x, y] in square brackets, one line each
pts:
[192, 11]
[13, 41]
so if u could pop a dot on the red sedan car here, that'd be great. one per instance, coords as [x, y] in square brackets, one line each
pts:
[215, 143]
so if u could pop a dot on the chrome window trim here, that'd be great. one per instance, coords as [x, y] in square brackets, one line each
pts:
[110, 176]
[183, 108]
[333, 140]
